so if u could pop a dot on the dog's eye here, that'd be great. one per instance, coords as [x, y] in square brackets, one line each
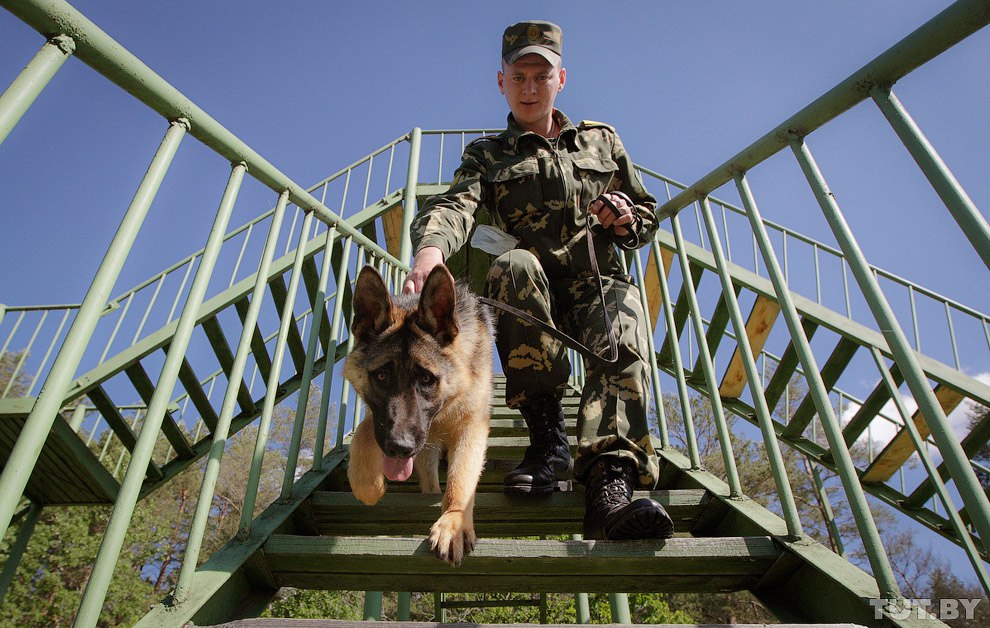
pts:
[426, 378]
[381, 375]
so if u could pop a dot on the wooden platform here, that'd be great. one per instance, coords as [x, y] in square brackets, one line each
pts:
[67, 472]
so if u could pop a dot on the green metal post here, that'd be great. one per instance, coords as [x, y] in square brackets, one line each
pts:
[39, 422]
[833, 433]
[268, 410]
[675, 354]
[130, 489]
[338, 306]
[654, 371]
[319, 307]
[32, 80]
[409, 196]
[78, 414]
[403, 606]
[439, 610]
[705, 356]
[770, 443]
[955, 458]
[959, 204]
[582, 608]
[205, 501]
[372, 606]
[16, 551]
[827, 513]
[619, 605]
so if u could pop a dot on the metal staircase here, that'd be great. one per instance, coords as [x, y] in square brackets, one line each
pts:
[221, 337]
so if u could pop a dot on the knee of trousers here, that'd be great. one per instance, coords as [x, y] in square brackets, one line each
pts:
[518, 263]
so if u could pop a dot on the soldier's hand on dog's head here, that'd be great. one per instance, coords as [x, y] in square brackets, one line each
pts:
[614, 219]
[426, 259]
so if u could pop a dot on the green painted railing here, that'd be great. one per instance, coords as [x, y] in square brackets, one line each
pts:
[94, 356]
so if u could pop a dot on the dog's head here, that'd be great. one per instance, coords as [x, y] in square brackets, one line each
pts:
[399, 364]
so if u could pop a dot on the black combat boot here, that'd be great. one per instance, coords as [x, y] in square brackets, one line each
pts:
[547, 460]
[608, 513]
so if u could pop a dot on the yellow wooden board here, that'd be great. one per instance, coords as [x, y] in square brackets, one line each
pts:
[901, 448]
[392, 226]
[758, 326]
[652, 282]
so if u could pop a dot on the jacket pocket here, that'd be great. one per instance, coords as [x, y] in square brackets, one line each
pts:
[517, 193]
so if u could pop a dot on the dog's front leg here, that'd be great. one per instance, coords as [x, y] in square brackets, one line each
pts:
[452, 536]
[364, 470]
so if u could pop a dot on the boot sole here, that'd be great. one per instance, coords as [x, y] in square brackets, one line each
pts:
[642, 523]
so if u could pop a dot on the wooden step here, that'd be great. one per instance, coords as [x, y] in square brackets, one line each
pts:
[508, 565]
[758, 327]
[517, 427]
[397, 514]
[276, 622]
[512, 447]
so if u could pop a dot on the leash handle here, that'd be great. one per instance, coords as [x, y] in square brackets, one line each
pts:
[552, 331]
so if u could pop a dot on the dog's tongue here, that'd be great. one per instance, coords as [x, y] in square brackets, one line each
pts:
[398, 469]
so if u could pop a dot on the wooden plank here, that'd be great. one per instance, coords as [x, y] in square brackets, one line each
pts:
[146, 389]
[495, 514]
[392, 226]
[758, 327]
[716, 332]
[514, 564]
[871, 407]
[786, 368]
[108, 410]
[649, 582]
[681, 310]
[197, 395]
[279, 294]
[837, 362]
[897, 452]
[258, 349]
[514, 447]
[651, 282]
[972, 443]
[311, 275]
[226, 359]
[67, 472]
[278, 622]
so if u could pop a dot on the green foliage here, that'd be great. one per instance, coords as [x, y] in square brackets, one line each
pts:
[51, 576]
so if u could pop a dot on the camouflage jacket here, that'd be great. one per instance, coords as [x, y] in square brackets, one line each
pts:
[529, 185]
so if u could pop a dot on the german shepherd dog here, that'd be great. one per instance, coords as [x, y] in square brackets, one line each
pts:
[423, 366]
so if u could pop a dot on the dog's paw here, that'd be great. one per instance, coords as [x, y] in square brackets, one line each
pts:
[452, 537]
[368, 489]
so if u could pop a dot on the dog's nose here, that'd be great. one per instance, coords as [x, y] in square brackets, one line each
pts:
[400, 449]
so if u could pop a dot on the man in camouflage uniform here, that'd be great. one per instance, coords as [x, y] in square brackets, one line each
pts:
[536, 179]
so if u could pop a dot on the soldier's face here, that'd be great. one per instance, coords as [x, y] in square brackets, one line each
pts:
[530, 86]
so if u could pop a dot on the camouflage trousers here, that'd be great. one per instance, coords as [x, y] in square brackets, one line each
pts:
[612, 420]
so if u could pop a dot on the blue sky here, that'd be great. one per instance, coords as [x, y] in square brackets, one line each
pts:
[313, 86]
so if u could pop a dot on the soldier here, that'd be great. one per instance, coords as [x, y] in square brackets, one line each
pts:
[539, 180]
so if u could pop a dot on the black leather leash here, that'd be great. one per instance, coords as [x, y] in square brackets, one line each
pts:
[552, 331]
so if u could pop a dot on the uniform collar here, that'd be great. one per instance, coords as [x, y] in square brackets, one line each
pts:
[513, 132]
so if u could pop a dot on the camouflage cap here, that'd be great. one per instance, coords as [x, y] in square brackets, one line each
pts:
[542, 38]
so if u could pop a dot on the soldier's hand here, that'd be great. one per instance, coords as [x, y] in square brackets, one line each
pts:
[617, 219]
[425, 260]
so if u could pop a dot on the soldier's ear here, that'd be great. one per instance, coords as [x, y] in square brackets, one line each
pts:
[437, 304]
[372, 306]
[563, 79]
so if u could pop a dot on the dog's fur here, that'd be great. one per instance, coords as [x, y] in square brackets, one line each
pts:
[423, 366]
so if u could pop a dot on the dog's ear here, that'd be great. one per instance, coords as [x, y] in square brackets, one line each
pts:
[372, 306]
[436, 306]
